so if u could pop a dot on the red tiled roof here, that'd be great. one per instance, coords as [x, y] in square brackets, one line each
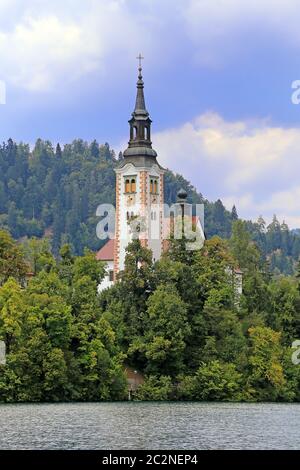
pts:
[106, 253]
[238, 271]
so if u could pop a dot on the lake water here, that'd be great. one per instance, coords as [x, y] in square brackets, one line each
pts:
[149, 426]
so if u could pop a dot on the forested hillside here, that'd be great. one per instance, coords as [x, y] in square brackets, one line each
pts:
[55, 192]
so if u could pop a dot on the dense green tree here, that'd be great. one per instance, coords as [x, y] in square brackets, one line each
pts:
[284, 308]
[12, 263]
[12, 308]
[38, 255]
[243, 249]
[58, 345]
[157, 388]
[166, 330]
[234, 214]
[134, 288]
[217, 381]
[266, 379]
[222, 336]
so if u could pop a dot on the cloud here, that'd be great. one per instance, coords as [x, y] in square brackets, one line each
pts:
[51, 44]
[46, 44]
[285, 204]
[248, 163]
[38, 46]
[219, 29]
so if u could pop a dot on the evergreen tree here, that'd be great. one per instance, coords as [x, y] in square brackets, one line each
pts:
[12, 263]
[234, 215]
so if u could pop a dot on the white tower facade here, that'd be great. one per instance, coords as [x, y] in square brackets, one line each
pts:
[139, 188]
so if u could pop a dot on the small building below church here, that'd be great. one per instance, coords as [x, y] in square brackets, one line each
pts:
[106, 254]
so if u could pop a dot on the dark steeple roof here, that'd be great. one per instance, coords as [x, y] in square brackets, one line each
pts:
[140, 107]
[181, 195]
[140, 151]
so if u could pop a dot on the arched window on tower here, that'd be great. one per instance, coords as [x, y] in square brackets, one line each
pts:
[145, 133]
[151, 186]
[127, 186]
[134, 132]
[155, 187]
[133, 185]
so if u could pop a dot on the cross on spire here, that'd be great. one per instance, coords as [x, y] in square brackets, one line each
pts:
[140, 58]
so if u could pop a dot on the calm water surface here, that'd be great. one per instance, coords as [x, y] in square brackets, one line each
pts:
[150, 426]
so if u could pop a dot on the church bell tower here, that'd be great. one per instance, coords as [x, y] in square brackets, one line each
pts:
[139, 187]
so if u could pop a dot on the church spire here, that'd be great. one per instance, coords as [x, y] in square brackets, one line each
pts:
[140, 107]
[140, 145]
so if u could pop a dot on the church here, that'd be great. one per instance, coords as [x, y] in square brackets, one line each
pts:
[139, 195]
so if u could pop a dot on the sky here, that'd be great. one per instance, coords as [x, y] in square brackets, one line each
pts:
[218, 84]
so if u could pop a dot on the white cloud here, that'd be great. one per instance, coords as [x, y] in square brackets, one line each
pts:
[38, 45]
[248, 163]
[51, 44]
[285, 204]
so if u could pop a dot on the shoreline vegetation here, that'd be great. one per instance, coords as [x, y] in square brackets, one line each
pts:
[176, 321]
